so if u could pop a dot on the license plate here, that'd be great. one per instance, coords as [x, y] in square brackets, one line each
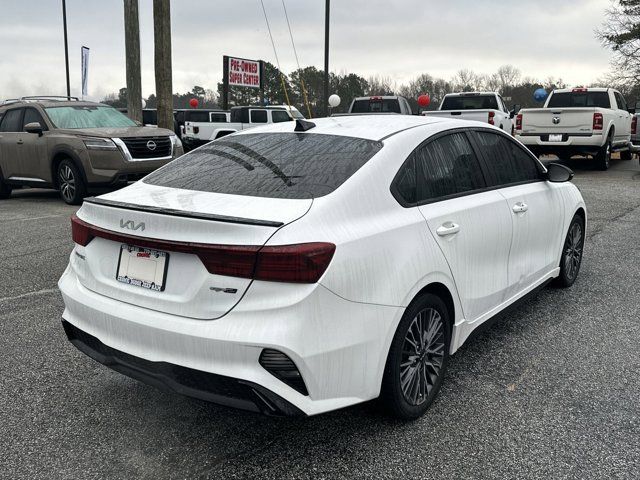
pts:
[142, 267]
[555, 138]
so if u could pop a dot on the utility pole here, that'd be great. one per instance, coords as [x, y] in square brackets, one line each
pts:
[162, 51]
[132, 55]
[66, 44]
[326, 58]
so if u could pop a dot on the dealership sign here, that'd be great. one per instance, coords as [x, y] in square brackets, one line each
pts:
[244, 73]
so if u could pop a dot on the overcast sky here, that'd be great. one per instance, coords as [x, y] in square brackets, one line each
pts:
[398, 39]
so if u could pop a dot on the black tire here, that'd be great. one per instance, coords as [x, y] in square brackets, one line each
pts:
[70, 182]
[426, 366]
[572, 250]
[626, 155]
[603, 157]
[5, 190]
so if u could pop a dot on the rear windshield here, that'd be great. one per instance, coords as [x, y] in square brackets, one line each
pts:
[376, 105]
[274, 165]
[579, 99]
[88, 116]
[470, 102]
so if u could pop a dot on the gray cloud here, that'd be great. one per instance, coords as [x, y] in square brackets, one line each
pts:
[400, 39]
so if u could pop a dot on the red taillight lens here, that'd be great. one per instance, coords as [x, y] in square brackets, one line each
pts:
[634, 125]
[302, 263]
[519, 122]
[491, 117]
[80, 231]
[597, 121]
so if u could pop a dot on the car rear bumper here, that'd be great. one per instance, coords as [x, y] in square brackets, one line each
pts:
[571, 144]
[339, 347]
[218, 389]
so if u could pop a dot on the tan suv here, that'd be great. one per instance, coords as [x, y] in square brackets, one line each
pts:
[71, 145]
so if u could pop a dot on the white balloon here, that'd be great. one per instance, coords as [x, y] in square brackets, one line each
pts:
[144, 103]
[334, 100]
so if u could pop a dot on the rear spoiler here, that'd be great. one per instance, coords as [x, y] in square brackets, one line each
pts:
[182, 213]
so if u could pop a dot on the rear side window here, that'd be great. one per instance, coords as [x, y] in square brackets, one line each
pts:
[622, 103]
[274, 165]
[470, 102]
[376, 105]
[258, 116]
[31, 115]
[278, 116]
[506, 159]
[219, 117]
[11, 121]
[579, 99]
[198, 116]
[447, 166]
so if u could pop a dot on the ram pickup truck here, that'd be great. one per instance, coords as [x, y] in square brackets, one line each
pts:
[578, 121]
[238, 118]
[488, 107]
[381, 104]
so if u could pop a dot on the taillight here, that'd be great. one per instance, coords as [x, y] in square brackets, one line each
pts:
[634, 125]
[80, 231]
[300, 263]
[519, 122]
[598, 121]
[491, 117]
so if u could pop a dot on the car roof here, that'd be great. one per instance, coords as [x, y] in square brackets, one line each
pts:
[371, 127]
[468, 94]
[588, 89]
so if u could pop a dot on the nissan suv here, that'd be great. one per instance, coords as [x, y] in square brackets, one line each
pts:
[72, 145]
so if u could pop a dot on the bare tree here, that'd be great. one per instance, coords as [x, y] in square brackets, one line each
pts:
[466, 80]
[132, 56]
[379, 85]
[507, 76]
[162, 39]
[621, 33]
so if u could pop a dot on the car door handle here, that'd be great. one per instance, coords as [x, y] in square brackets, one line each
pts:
[20, 142]
[520, 207]
[448, 228]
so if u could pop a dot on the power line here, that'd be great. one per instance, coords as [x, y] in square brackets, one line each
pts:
[275, 53]
[295, 52]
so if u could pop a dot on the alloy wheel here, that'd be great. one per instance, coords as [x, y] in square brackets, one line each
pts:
[573, 250]
[67, 181]
[423, 354]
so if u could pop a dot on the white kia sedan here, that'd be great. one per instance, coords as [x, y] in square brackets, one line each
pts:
[303, 267]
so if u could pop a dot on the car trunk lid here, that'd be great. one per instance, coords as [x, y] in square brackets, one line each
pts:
[194, 229]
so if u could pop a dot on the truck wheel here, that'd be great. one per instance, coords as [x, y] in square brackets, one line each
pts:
[626, 155]
[70, 182]
[603, 157]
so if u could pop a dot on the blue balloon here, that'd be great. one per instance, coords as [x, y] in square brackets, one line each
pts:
[540, 95]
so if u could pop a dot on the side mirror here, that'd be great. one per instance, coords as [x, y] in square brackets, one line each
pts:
[33, 127]
[557, 173]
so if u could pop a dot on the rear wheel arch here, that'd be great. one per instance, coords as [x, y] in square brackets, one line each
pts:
[223, 133]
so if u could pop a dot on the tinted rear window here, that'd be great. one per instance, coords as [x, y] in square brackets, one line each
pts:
[275, 165]
[579, 99]
[376, 105]
[471, 102]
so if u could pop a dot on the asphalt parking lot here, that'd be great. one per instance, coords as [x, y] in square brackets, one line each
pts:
[548, 391]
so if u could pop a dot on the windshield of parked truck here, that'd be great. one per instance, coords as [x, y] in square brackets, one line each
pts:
[88, 116]
[579, 99]
[470, 102]
[376, 105]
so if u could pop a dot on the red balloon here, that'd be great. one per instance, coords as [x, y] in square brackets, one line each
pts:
[193, 102]
[424, 100]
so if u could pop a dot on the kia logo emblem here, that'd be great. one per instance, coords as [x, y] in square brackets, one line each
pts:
[151, 145]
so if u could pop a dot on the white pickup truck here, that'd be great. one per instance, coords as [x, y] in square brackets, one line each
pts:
[238, 118]
[488, 107]
[578, 121]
